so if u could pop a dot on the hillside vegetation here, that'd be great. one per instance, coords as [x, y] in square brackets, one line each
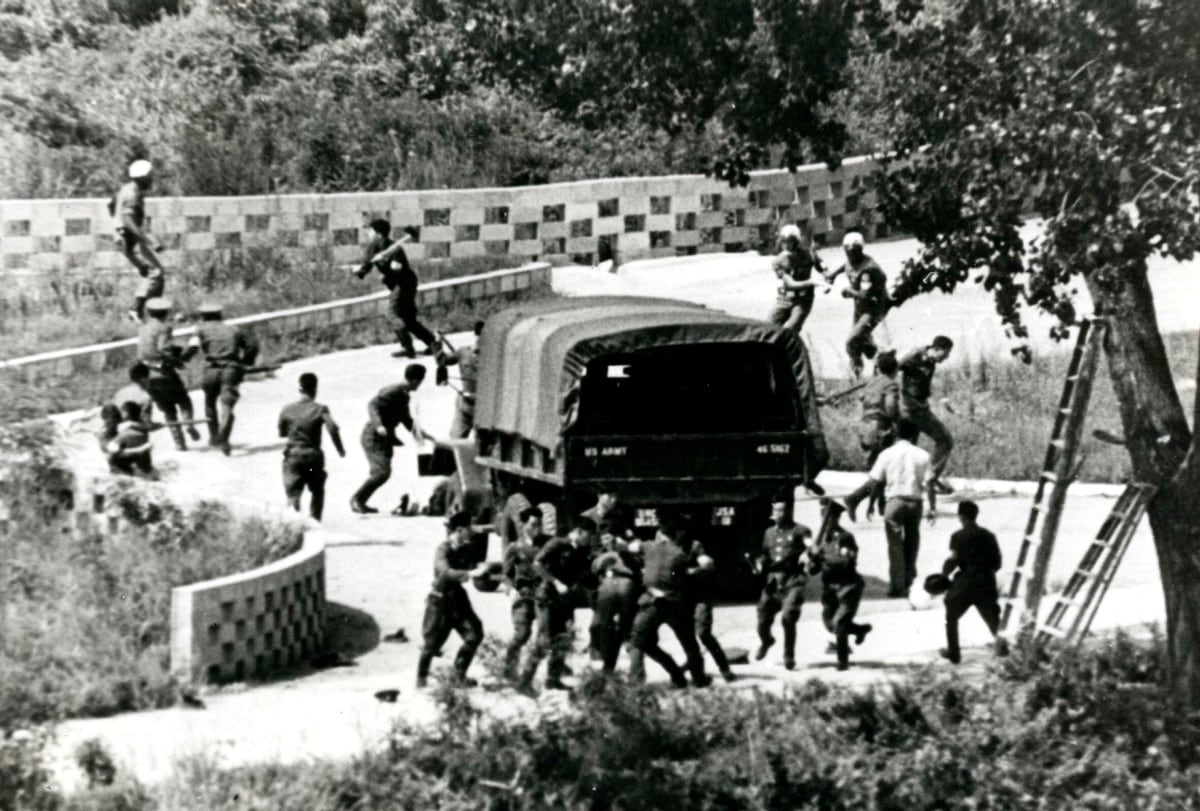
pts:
[264, 96]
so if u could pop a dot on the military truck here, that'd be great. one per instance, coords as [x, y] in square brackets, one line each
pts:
[664, 403]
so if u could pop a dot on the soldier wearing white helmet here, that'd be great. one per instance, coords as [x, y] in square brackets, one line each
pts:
[794, 266]
[868, 287]
[128, 207]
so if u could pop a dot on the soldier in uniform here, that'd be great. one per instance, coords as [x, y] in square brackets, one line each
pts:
[700, 595]
[618, 573]
[467, 360]
[836, 558]
[974, 560]
[128, 207]
[868, 288]
[387, 409]
[916, 384]
[164, 359]
[564, 565]
[128, 451]
[388, 257]
[794, 266]
[228, 351]
[783, 559]
[136, 391]
[448, 608]
[303, 460]
[880, 401]
[523, 581]
[610, 516]
[663, 601]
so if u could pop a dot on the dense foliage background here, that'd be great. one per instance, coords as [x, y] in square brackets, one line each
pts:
[260, 96]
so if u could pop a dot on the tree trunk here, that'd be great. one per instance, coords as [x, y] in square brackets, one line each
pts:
[1160, 448]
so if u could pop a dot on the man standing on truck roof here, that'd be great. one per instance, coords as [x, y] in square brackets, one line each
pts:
[388, 257]
[387, 409]
[467, 360]
[523, 580]
[448, 608]
[916, 384]
[794, 266]
[128, 207]
[904, 471]
[868, 288]
[664, 578]
[565, 566]
[782, 560]
[303, 460]
[164, 359]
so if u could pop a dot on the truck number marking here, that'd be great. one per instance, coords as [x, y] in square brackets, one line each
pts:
[775, 448]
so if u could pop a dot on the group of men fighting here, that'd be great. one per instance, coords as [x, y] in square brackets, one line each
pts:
[633, 587]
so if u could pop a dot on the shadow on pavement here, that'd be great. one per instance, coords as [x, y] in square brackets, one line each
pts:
[349, 633]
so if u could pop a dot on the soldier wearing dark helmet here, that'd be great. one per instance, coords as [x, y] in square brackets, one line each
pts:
[228, 351]
[164, 359]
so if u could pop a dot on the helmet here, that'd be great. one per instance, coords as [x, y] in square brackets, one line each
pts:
[937, 583]
[139, 169]
[789, 232]
[852, 239]
[159, 304]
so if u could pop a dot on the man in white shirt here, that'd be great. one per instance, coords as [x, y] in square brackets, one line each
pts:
[906, 473]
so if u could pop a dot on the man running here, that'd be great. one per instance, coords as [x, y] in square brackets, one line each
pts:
[868, 287]
[164, 359]
[387, 409]
[303, 460]
[388, 257]
[128, 207]
[467, 360]
[974, 560]
[880, 401]
[916, 384]
[228, 351]
[783, 559]
[836, 558]
[523, 580]
[794, 266]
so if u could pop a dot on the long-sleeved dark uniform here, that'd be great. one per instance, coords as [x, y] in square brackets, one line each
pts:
[164, 358]
[448, 608]
[619, 583]
[974, 560]
[664, 578]
[303, 460]
[387, 409]
[792, 307]
[559, 560]
[842, 588]
[129, 435]
[401, 280]
[916, 384]
[700, 593]
[523, 579]
[783, 556]
[228, 350]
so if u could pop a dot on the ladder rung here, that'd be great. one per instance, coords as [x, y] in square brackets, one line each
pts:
[1059, 443]
[1072, 378]
[1065, 410]
[1050, 630]
[1088, 573]
[1048, 476]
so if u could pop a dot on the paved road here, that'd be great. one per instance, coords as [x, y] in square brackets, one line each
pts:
[383, 575]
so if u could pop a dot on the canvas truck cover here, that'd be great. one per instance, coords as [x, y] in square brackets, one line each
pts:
[533, 356]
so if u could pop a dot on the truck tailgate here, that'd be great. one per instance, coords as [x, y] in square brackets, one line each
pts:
[683, 458]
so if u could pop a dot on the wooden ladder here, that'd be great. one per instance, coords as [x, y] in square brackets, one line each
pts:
[1074, 609]
[1037, 544]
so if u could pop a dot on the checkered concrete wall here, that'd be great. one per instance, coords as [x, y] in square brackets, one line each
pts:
[583, 221]
[252, 624]
[527, 280]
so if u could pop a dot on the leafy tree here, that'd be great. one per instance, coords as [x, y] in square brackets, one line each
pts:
[1088, 111]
